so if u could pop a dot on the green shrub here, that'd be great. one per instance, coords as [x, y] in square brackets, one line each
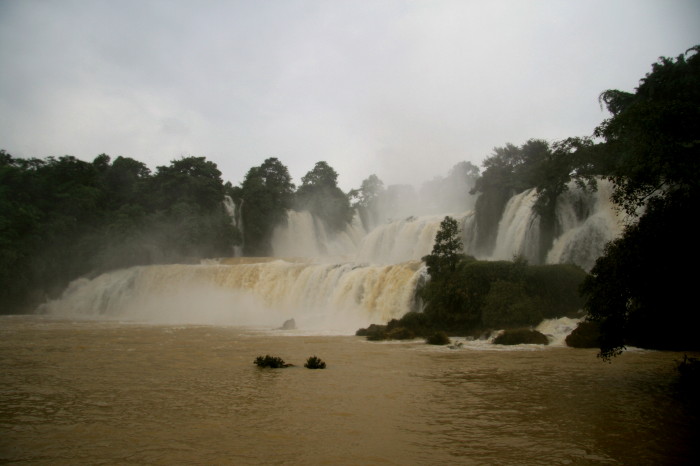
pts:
[508, 304]
[315, 363]
[557, 287]
[438, 338]
[416, 322]
[522, 336]
[400, 333]
[374, 332]
[270, 361]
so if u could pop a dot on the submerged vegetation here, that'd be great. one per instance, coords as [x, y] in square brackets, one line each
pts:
[314, 362]
[274, 362]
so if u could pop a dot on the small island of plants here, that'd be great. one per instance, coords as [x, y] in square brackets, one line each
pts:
[273, 362]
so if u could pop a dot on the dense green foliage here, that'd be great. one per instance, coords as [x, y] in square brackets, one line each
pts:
[491, 295]
[314, 362]
[641, 291]
[445, 256]
[273, 362]
[267, 192]
[464, 295]
[61, 218]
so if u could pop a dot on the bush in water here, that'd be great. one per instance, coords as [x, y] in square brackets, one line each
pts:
[438, 338]
[400, 333]
[315, 363]
[374, 332]
[521, 336]
[270, 361]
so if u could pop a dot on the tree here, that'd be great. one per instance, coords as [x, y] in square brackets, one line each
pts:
[367, 200]
[446, 251]
[189, 179]
[653, 133]
[320, 195]
[641, 289]
[322, 175]
[267, 192]
[125, 180]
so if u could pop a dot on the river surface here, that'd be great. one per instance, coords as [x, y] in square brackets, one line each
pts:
[85, 392]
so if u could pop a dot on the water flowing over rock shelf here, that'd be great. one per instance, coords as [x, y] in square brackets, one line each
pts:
[335, 282]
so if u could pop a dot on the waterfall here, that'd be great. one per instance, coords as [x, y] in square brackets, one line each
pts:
[236, 220]
[407, 239]
[230, 207]
[332, 280]
[328, 297]
[304, 235]
[518, 231]
[590, 221]
[587, 221]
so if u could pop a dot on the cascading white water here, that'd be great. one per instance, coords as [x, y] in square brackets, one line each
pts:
[331, 281]
[304, 235]
[230, 207]
[329, 297]
[402, 240]
[519, 229]
[589, 222]
[236, 220]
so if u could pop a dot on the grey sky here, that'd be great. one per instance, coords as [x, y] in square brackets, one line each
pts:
[403, 89]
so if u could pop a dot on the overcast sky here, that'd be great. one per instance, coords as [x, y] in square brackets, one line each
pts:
[402, 89]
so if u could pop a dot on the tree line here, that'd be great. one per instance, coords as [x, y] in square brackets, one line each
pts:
[63, 218]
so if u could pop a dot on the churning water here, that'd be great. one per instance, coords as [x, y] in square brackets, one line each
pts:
[88, 392]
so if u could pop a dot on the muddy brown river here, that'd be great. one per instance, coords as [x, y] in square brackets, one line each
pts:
[86, 392]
